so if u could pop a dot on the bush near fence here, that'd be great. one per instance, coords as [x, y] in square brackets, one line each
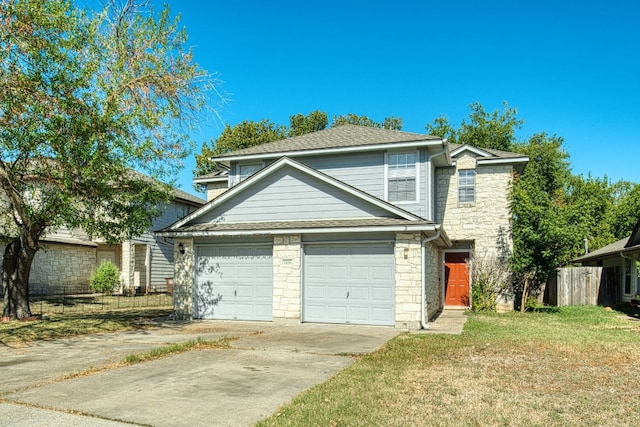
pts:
[60, 302]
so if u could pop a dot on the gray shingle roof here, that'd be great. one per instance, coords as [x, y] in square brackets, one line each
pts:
[183, 195]
[336, 137]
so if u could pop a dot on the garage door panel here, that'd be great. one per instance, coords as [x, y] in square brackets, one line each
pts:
[381, 293]
[349, 283]
[380, 272]
[337, 272]
[359, 293]
[336, 292]
[234, 283]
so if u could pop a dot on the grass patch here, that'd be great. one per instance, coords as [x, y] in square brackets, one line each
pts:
[67, 325]
[570, 366]
[157, 353]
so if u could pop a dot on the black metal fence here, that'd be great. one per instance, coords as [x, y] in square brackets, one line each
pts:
[60, 301]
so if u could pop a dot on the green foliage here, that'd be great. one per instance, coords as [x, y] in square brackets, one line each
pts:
[391, 122]
[105, 278]
[313, 122]
[485, 130]
[490, 278]
[92, 97]
[543, 236]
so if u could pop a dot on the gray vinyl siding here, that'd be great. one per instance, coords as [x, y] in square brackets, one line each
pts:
[162, 252]
[290, 195]
[366, 172]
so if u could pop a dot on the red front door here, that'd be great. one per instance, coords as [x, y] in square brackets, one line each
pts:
[456, 288]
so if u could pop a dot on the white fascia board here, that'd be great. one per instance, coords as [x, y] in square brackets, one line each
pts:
[207, 180]
[501, 160]
[324, 230]
[336, 150]
[471, 148]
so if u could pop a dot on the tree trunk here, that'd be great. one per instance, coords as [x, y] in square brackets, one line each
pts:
[525, 295]
[17, 260]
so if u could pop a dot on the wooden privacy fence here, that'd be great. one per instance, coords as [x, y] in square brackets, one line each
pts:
[582, 286]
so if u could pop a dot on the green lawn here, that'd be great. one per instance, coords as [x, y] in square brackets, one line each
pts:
[59, 325]
[572, 366]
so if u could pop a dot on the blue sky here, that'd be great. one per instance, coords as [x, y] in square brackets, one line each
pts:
[571, 68]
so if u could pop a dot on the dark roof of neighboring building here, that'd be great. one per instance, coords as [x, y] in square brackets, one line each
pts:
[187, 197]
[628, 244]
[335, 137]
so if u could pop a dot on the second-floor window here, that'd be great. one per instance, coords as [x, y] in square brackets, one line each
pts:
[402, 177]
[467, 186]
[245, 171]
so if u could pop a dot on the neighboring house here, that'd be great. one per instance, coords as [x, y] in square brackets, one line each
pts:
[345, 225]
[623, 257]
[67, 258]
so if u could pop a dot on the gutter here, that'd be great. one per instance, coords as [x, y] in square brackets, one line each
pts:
[423, 296]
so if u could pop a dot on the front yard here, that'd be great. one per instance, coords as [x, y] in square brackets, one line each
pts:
[568, 366]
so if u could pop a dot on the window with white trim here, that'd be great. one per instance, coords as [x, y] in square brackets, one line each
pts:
[467, 186]
[402, 177]
[245, 171]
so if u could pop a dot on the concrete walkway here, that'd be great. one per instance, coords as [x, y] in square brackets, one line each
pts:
[447, 322]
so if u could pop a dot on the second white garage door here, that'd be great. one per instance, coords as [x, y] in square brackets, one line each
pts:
[234, 282]
[349, 283]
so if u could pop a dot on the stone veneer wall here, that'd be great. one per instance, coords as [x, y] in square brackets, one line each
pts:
[214, 189]
[287, 276]
[433, 272]
[183, 279]
[62, 268]
[484, 222]
[408, 280]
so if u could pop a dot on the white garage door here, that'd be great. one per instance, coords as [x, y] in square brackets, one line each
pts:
[234, 282]
[349, 283]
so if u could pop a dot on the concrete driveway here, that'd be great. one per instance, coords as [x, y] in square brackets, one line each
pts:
[266, 367]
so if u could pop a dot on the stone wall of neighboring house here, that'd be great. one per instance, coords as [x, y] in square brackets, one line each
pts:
[287, 276]
[61, 268]
[486, 222]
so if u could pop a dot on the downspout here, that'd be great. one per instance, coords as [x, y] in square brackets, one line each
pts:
[423, 250]
[423, 298]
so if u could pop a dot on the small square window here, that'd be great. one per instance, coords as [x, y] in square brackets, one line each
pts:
[467, 186]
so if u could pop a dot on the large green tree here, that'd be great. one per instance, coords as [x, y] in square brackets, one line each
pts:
[544, 235]
[85, 98]
[495, 130]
